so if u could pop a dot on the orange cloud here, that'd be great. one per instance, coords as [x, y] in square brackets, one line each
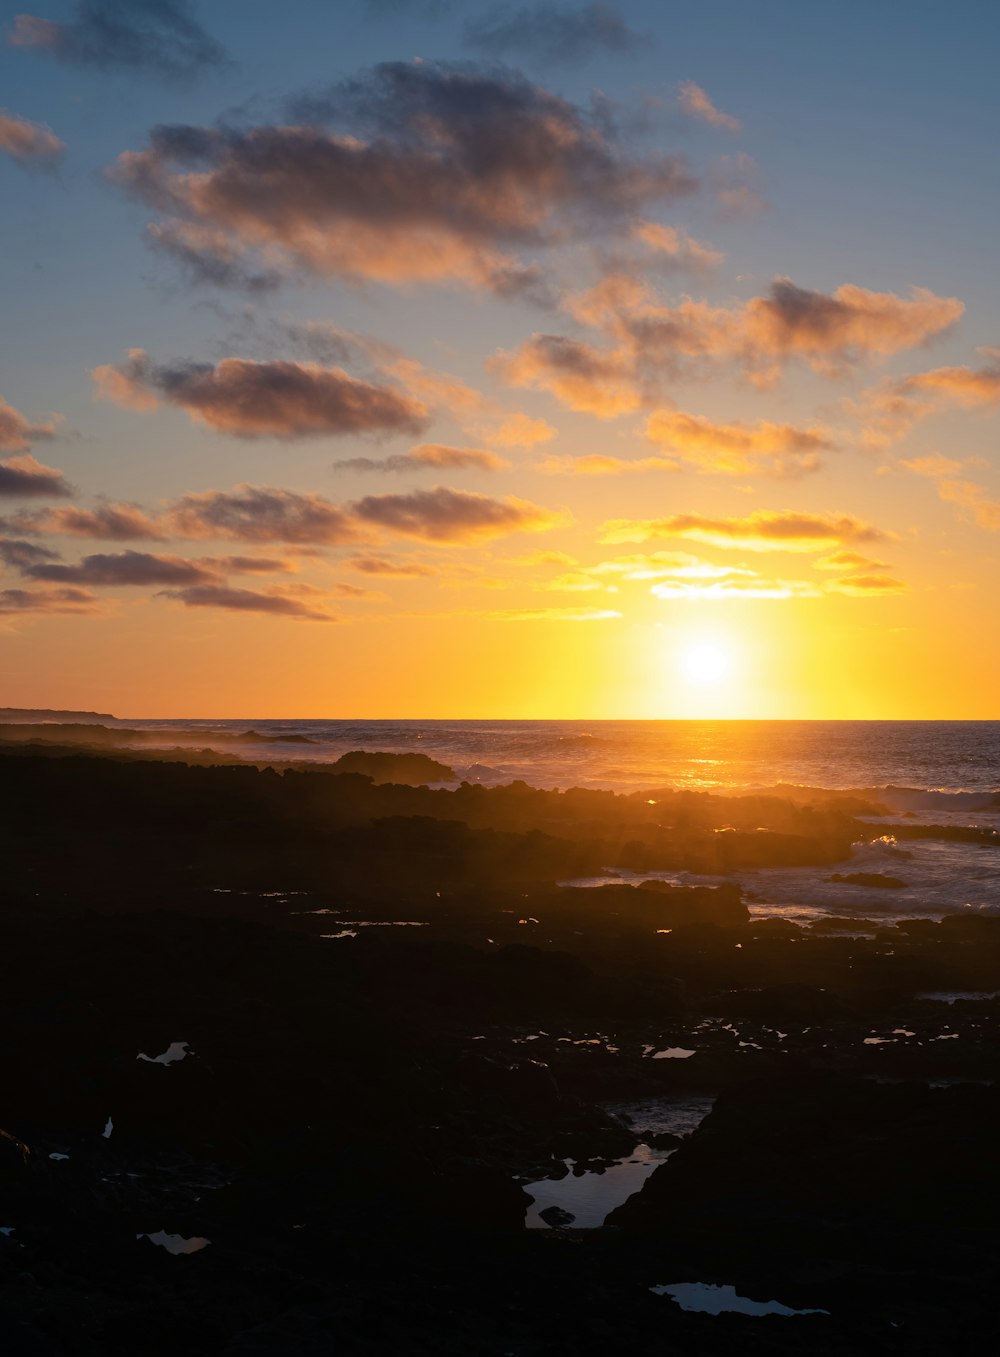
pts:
[693, 100]
[18, 433]
[601, 464]
[517, 431]
[652, 342]
[669, 244]
[952, 489]
[765, 530]
[866, 586]
[555, 615]
[126, 568]
[738, 449]
[597, 381]
[735, 588]
[848, 560]
[251, 399]
[27, 142]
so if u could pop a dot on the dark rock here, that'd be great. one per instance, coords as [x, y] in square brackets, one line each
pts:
[556, 1217]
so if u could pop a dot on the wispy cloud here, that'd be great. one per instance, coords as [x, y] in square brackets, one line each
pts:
[432, 456]
[553, 34]
[764, 530]
[17, 433]
[693, 101]
[30, 144]
[155, 37]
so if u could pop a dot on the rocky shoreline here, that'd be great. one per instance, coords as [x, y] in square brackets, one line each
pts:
[330, 1028]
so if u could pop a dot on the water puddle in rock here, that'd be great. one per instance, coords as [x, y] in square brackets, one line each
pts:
[958, 995]
[177, 1050]
[591, 1196]
[707, 1299]
[175, 1243]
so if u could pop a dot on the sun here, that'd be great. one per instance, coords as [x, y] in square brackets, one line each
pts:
[706, 663]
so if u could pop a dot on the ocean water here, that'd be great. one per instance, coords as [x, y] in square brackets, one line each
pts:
[935, 772]
[948, 756]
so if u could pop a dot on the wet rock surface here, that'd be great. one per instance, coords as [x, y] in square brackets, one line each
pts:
[360, 1103]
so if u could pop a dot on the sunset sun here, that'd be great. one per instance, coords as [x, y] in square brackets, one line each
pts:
[706, 663]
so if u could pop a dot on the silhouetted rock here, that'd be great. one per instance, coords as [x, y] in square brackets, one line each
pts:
[411, 770]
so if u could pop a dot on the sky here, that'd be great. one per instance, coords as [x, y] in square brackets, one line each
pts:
[435, 359]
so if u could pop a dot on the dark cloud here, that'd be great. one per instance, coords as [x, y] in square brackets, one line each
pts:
[391, 569]
[248, 565]
[254, 513]
[444, 515]
[30, 144]
[157, 37]
[251, 399]
[25, 478]
[413, 171]
[126, 567]
[22, 554]
[551, 33]
[246, 600]
[107, 522]
[17, 433]
[429, 455]
[20, 601]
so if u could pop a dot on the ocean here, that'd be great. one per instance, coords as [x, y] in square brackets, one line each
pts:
[936, 772]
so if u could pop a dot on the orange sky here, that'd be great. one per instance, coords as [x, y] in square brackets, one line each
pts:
[441, 388]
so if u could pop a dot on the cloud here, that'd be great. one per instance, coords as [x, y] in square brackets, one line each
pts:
[20, 554]
[112, 522]
[889, 410]
[444, 515]
[667, 244]
[596, 381]
[960, 385]
[17, 433]
[517, 431]
[738, 449]
[248, 565]
[126, 567]
[30, 144]
[658, 565]
[735, 588]
[246, 600]
[848, 560]
[866, 586]
[250, 399]
[435, 455]
[390, 568]
[25, 478]
[156, 37]
[554, 615]
[602, 464]
[953, 489]
[693, 101]
[653, 342]
[14, 602]
[255, 513]
[553, 34]
[764, 530]
[435, 173]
